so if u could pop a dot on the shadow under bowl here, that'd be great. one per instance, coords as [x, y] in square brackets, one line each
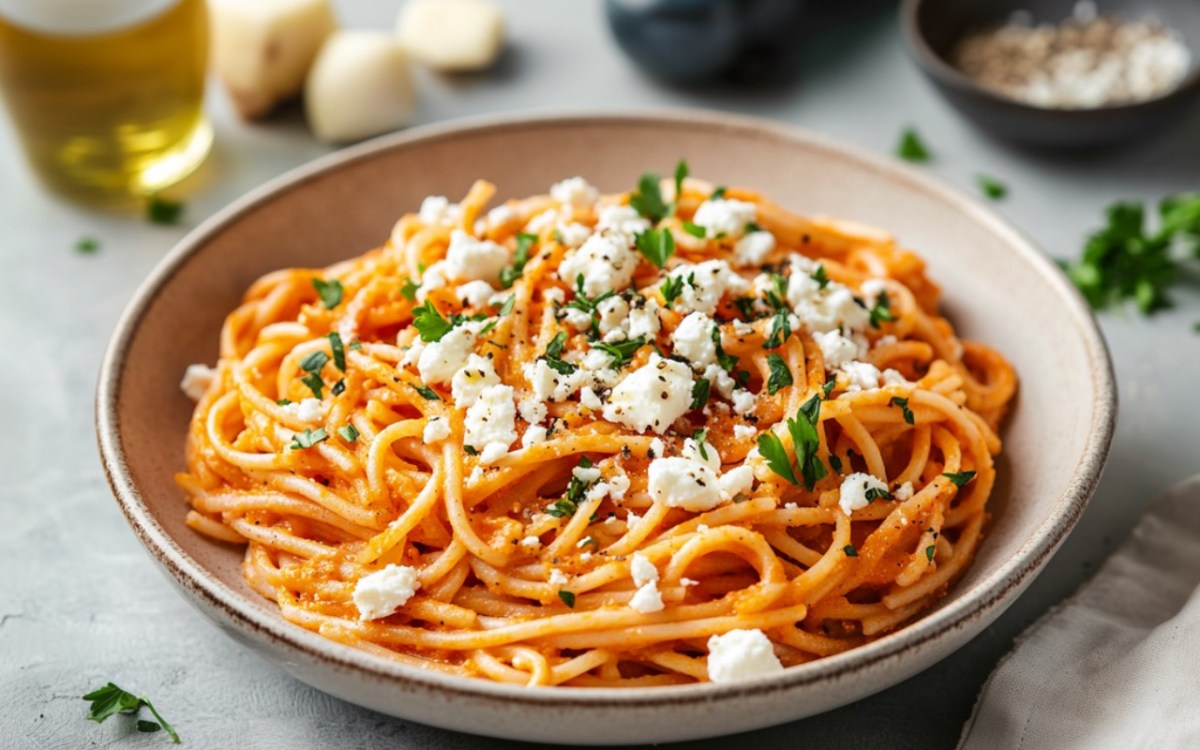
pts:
[932, 29]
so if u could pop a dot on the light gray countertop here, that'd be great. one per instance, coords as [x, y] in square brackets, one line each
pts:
[81, 603]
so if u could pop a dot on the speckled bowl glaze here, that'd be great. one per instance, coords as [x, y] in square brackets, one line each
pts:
[998, 288]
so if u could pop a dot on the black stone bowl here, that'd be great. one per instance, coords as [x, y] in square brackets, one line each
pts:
[932, 28]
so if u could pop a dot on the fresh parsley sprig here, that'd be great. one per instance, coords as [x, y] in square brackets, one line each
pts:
[308, 438]
[110, 700]
[510, 274]
[620, 352]
[576, 489]
[912, 148]
[553, 355]
[647, 200]
[781, 375]
[329, 290]
[807, 442]
[671, 288]
[959, 478]
[656, 245]
[313, 364]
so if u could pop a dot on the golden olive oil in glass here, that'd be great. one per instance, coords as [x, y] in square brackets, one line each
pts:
[107, 96]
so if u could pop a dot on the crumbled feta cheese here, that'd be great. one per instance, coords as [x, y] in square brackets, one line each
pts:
[580, 320]
[533, 435]
[308, 410]
[532, 410]
[492, 452]
[196, 381]
[854, 491]
[501, 216]
[589, 399]
[542, 221]
[573, 235]
[436, 430]
[737, 481]
[743, 402]
[439, 361]
[435, 277]
[469, 382]
[707, 455]
[475, 293]
[383, 592]
[558, 578]
[531, 542]
[643, 319]
[658, 447]
[679, 482]
[471, 258]
[830, 309]
[744, 431]
[837, 349]
[437, 209]
[613, 314]
[752, 249]
[642, 570]
[651, 397]
[618, 485]
[903, 492]
[574, 192]
[693, 340]
[862, 376]
[621, 220]
[587, 475]
[705, 284]
[740, 655]
[893, 377]
[491, 420]
[647, 599]
[606, 264]
[720, 379]
[721, 216]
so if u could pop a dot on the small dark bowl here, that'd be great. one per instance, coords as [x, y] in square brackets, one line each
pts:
[932, 28]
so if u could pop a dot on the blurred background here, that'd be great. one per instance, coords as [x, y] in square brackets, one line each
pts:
[77, 241]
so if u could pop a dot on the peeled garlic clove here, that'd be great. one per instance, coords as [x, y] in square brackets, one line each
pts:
[262, 49]
[359, 86]
[452, 35]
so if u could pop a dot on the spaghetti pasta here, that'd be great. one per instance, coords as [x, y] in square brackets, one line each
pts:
[579, 439]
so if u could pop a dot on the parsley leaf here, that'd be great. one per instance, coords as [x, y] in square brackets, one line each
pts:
[911, 147]
[508, 305]
[576, 489]
[567, 597]
[700, 391]
[429, 322]
[621, 351]
[728, 362]
[349, 433]
[701, 438]
[671, 288]
[339, 387]
[828, 387]
[850, 550]
[589, 305]
[330, 291]
[656, 245]
[354, 345]
[929, 552]
[882, 311]
[695, 230]
[718, 193]
[647, 200]
[313, 364]
[961, 478]
[427, 393]
[681, 173]
[771, 448]
[160, 210]
[339, 352]
[991, 187]
[807, 441]
[409, 290]
[821, 276]
[553, 355]
[781, 329]
[874, 493]
[87, 245]
[903, 404]
[510, 274]
[110, 700]
[308, 438]
[835, 463]
[780, 374]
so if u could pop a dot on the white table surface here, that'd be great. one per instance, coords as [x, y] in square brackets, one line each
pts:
[81, 603]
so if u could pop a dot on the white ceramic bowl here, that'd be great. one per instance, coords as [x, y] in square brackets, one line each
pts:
[998, 288]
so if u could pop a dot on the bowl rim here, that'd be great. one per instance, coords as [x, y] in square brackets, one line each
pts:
[940, 69]
[239, 608]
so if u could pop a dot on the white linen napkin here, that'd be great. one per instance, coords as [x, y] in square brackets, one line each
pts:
[1118, 664]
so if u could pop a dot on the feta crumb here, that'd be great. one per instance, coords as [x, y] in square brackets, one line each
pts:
[642, 570]
[531, 542]
[471, 258]
[743, 401]
[383, 592]
[613, 314]
[586, 475]
[437, 209]
[643, 319]
[744, 431]
[854, 491]
[478, 373]
[693, 340]
[573, 235]
[893, 377]
[621, 220]
[501, 216]
[752, 249]
[606, 264]
[589, 399]
[740, 655]
[491, 420]
[475, 293]
[903, 492]
[679, 482]
[197, 379]
[862, 376]
[618, 485]
[308, 410]
[737, 481]
[575, 192]
[439, 361]
[533, 435]
[436, 430]
[557, 578]
[492, 452]
[724, 216]
[705, 284]
[647, 599]
[837, 349]
[651, 397]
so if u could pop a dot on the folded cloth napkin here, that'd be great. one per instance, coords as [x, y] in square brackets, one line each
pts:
[1118, 664]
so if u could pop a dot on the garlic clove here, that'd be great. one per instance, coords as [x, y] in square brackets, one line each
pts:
[452, 35]
[359, 85]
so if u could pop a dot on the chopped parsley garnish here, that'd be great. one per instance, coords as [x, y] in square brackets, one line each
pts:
[694, 229]
[728, 362]
[929, 552]
[700, 391]
[701, 439]
[339, 352]
[718, 194]
[339, 387]
[110, 700]
[308, 438]
[313, 364]
[409, 290]
[426, 392]
[671, 288]
[160, 210]
[821, 276]
[656, 245]
[354, 345]
[828, 387]
[567, 597]
[510, 274]
[807, 441]
[621, 352]
[282, 401]
[903, 404]
[589, 305]
[777, 297]
[470, 450]
[330, 291]
[681, 173]
[429, 322]
[882, 311]
[961, 478]
[1125, 261]
[911, 147]
[576, 488]
[874, 493]
[781, 376]
[488, 328]
[508, 305]
[553, 355]
[87, 245]
[835, 463]
[349, 433]
[991, 187]
[781, 329]
[850, 550]
[647, 200]
[771, 448]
